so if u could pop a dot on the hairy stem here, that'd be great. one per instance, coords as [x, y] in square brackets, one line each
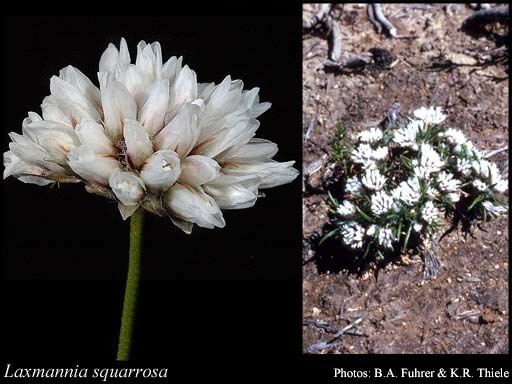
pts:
[132, 287]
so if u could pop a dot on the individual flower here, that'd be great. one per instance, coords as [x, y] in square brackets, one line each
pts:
[447, 183]
[432, 115]
[406, 137]
[429, 161]
[372, 230]
[380, 153]
[453, 197]
[481, 168]
[408, 192]
[480, 185]
[150, 136]
[382, 202]
[371, 135]
[493, 208]
[463, 166]
[364, 154]
[373, 179]
[500, 186]
[386, 238]
[346, 209]
[417, 227]
[353, 186]
[352, 234]
[429, 213]
[454, 136]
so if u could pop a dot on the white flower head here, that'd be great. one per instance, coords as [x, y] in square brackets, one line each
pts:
[429, 161]
[372, 230]
[432, 115]
[373, 179]
[371, 135]
[501, 186]
[429, 213]
[405, 137]
[417, 227]
[454, 136]
[480, 185]
[364, 154]
[386, 238]
[408, 192]
[346, 209]
[353, 234]
[353, 186]
[447, 182]
[150, 136]
[493, 208]
[463, 166]
[382, 202]
[453, 197]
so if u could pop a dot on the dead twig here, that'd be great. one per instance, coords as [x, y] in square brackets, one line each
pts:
[495, 152]
[318, 18]
[313, 348]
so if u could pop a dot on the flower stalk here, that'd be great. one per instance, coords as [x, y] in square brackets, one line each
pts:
[132, 287]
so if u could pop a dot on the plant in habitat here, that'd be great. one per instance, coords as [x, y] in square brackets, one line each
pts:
[401, 181]
[152, 139]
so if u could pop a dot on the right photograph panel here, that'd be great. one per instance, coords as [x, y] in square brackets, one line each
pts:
[405, 208]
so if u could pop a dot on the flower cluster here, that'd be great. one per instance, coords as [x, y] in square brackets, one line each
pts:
[400, 182]
[150, 136]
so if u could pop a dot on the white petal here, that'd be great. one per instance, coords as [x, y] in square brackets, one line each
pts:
[237, 196]
[16, 167]
[93, 135]
[198, 170]
[184, 89]
[118, 104]
[91, 166]
[53, 112]
[72, 101]
[240, 133]
[82, 83]
[134, 83]
[272, 173]
[161, 170]
[193, 205]
[171, 68]
[138, 145]
[204, 90]
[108, 60]
[56, 138]
[260, 108]
[124, 53]
[127, 187]
[181, 133]
[33, 153]
[255, 150]
[153, 111]
[149, 61]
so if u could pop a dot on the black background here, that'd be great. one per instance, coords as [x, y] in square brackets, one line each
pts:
[64, 251]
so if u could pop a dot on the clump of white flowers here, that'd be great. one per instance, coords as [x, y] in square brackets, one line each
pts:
[150, 136]
[402, 181]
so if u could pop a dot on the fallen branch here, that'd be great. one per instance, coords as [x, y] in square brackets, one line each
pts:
[495, 152]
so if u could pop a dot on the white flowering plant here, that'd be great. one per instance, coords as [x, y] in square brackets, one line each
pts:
[400, 182]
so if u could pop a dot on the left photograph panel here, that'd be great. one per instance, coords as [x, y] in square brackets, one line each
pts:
[141, 149]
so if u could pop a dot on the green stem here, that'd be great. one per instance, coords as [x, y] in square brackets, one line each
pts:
[132, 287]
